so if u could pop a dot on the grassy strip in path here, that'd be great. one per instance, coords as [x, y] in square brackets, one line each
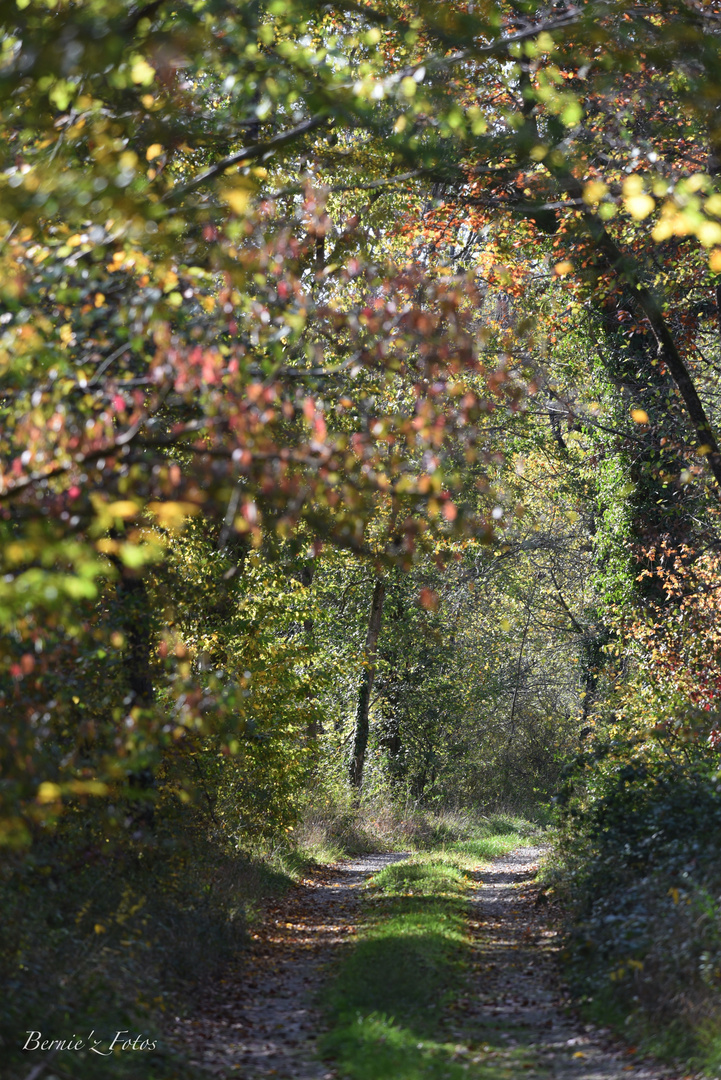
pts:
[386, 1003]
[487, 840]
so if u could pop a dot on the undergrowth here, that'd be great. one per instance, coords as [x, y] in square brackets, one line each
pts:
[336, 826]
[639, 878]
[120, 932]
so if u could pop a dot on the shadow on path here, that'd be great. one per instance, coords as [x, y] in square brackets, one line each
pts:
[517, 1001]
[261, 1018]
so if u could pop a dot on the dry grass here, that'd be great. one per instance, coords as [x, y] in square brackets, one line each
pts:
[337, 828]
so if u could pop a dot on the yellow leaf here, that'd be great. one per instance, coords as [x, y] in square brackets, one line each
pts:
[563, 268]
[640, 206]
[117, 261]
[107, 546]
[709, 233]
[236, 198]
[128, 159]
[632, 185]
[696, 182]
[594, 191]
[153, 151]
[544, 43]
[89, 787]
[171, 515]
[714, 260]
[123, 508]
[663, 229]
[639, 416]
[674, 894]
[48, 793]
[142, 73]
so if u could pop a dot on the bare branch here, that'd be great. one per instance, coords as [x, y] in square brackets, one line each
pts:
[248, 153]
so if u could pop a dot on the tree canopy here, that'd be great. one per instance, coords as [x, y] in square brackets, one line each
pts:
[321, 271]
[360, 409]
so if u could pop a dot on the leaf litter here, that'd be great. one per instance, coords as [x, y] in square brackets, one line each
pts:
[262, 1019]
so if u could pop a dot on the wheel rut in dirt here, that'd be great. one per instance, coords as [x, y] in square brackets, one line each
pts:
[262, 1017]
[517, 997]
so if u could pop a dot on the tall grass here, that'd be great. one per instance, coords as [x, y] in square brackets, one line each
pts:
[335, 826]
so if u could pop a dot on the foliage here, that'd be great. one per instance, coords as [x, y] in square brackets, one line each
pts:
[208, 309]
[643, 879]
[640, 830]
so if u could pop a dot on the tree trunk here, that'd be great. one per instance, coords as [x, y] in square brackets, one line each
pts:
[360, 738]
[135, 615]
[314, 727]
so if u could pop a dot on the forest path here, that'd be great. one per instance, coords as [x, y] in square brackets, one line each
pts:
[262, 1019]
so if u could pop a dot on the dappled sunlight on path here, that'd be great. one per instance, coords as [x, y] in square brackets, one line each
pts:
[517, 1001]
[262, 1018]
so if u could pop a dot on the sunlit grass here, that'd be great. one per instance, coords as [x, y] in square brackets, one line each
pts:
[386, 1005]
[376, 1047]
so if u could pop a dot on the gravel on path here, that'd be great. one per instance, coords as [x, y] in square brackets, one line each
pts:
[517, 992]
[262, 1019]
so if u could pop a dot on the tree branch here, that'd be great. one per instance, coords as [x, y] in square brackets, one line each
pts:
[497, 47]
[626, 268]
[624, 265]
[248, 153]
[372, 185]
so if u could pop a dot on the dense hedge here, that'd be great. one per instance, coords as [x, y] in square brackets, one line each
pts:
[640, 838]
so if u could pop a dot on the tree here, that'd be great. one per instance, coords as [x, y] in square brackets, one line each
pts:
[211, 310]
[360, 735]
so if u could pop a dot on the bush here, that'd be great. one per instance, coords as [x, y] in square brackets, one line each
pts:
[114, 929]
[642, 883]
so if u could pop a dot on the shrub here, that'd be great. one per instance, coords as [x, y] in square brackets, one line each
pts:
[642, 883]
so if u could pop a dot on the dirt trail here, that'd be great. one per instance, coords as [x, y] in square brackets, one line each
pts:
[516, 986]
[262, 1018]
